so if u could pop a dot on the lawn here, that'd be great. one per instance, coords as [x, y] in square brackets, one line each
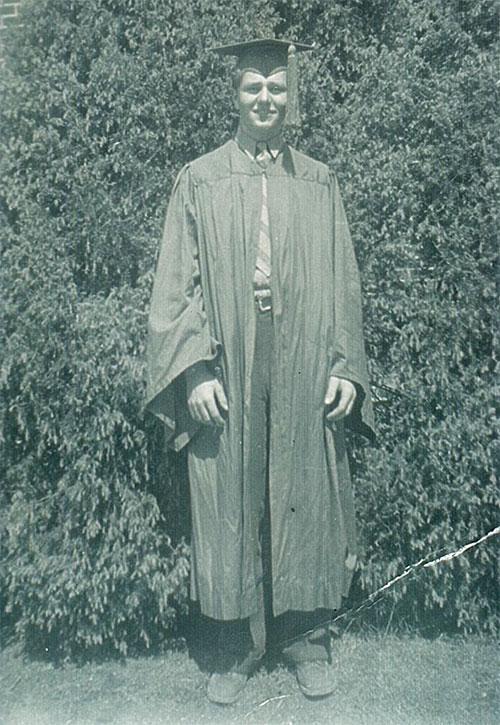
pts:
[389, 680]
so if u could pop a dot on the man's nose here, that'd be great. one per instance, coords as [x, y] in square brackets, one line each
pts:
[263, 95]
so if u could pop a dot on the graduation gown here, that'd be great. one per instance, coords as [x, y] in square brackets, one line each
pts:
[203, 308]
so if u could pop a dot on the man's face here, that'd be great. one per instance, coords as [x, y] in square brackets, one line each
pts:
[262, 103]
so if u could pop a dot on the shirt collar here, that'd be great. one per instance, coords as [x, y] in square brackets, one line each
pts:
[249, 144]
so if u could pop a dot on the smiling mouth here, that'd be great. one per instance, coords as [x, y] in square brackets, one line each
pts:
[264, 115]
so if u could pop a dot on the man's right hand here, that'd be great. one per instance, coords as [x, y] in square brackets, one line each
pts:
[205, 395]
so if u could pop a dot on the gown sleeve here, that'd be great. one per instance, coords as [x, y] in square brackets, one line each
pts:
[178, 329]
[349, 358]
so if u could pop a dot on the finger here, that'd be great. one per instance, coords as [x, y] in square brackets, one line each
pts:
[351, 405]
[204, 415]
[331, 392]
[340, 409]
[213, 411]
[193, 410]
[221, 397]
[347, 404]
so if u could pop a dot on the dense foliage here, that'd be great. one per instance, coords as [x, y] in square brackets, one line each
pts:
[103, 101]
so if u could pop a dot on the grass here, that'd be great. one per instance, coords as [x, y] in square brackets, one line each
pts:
[388, 680]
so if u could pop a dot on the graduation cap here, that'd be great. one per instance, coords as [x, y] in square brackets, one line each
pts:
[269, 55]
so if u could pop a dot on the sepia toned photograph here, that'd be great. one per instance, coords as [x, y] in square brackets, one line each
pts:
[249, 362]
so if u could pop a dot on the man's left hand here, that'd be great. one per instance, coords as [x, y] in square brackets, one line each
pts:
[341, 394]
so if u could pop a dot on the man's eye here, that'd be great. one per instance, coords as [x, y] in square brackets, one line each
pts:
[252, 89]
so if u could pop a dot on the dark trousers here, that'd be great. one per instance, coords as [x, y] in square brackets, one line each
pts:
[242, 642]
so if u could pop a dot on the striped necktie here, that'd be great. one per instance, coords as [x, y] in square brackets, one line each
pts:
[263, 271]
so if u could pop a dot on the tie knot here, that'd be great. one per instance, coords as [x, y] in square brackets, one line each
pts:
[262, 154]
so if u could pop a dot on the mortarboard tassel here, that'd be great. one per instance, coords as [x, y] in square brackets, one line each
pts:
[293, 112]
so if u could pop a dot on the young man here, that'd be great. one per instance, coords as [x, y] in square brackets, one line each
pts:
[255, 358]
